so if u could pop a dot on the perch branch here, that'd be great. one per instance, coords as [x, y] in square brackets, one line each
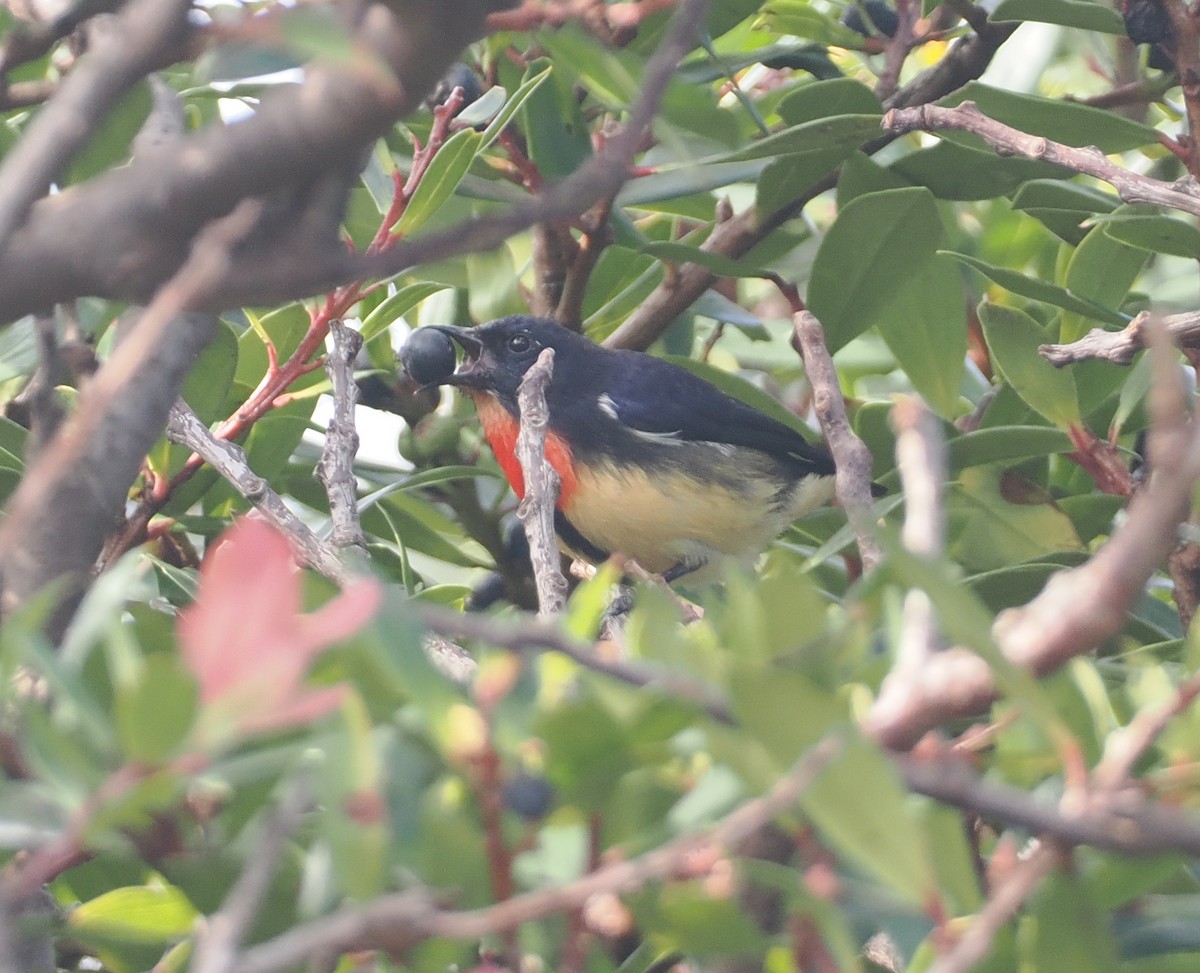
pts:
[541, 486]
[335, 469]
[851, 456]
[229, 459]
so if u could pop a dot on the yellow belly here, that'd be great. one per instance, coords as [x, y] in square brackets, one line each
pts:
[670, 517]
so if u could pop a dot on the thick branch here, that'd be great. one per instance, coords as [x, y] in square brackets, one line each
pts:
[124, 233]
[76, 490]
[122, 53]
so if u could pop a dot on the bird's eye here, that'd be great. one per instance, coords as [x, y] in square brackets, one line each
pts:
[520, 343]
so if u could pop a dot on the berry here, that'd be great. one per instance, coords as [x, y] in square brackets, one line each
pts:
[1146, 21]
[428, 356]
[529, 796]
[883, 19]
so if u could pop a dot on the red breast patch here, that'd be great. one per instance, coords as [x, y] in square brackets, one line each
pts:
[501, 430]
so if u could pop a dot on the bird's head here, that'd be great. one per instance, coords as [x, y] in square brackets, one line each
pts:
[497, 355]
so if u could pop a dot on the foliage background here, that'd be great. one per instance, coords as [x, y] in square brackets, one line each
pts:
[934, 763]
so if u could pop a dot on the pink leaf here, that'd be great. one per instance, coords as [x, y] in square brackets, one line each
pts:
[248, 644]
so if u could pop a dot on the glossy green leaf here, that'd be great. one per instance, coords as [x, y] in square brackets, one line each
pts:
[925, 326]
[846, 132]
[139, 914]
[1040, 290]
[1004, 444]
[967, 170]
[1013, 338]
[801, 19]
[877, 245]
[681, 253]
[825, 99]
[155, 714]
[442, 177]
[1068, 122]
[514, 104]
[989, 530]
[1157, 234]
[1084, 14]
[397, 305]
[208, 383]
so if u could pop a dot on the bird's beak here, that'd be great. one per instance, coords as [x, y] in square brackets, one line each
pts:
[472, 348]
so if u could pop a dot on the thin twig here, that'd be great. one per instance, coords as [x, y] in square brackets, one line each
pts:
[398, 922]
[849, 453]
[1001, 906]
[541, 486]
[217, 944]
[335, 469]
[1120, 347]
[1130, 186]
[229, 459]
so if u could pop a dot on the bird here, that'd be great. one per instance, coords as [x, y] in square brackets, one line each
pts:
[655, 463]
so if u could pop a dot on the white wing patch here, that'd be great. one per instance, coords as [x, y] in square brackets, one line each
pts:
[609, 408]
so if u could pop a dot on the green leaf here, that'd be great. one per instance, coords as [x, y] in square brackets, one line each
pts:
[965, 169]
[1084, 14]
[1068, 122]
[1102, 268]
[156, 713]
[136, 914]
[682, 253]
[110, 145]
[1158, 234]
[1013, 338]
[991, 531]
[208, 383]
[925, 326]
[687, 917]
[354, 816]
[1040, 290]
[844, 133]
[876, 245]
[825, 99]
[1004, 444]
[801, 19]
[396, 305]
[529, 85]
[442, 177]
[886, 842]
[553, 123]
[1066, 931]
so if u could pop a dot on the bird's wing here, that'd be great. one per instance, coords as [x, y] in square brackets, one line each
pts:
[658, 398]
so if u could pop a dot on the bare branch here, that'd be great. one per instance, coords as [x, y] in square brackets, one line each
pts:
[1132, 187]
[229, 459]
[335, 469]
[122, 53]
[851, 456]
[76, 490]
[1120, 347]
[541, 486]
